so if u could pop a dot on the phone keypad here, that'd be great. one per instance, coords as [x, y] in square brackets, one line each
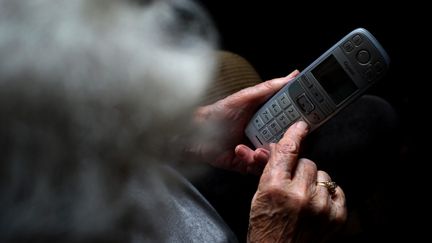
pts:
[280, 114]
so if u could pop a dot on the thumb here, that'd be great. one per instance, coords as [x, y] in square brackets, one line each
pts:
[259, 93]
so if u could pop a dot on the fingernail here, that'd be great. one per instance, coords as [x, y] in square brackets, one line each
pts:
[293, 73]
[263, 154]
[302, 125]
[240, 151]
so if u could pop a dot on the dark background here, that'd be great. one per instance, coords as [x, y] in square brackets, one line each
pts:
[277, 37]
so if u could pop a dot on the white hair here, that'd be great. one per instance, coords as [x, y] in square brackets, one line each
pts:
[89, 91]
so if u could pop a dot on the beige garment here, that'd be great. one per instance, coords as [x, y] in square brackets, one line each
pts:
[233, 73]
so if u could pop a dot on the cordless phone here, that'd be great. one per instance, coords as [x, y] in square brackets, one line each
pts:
[333, 81]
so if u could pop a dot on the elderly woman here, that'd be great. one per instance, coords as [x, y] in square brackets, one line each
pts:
[97, 98]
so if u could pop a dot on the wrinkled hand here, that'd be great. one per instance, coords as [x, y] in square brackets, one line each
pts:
[223, 125]
[288, 205]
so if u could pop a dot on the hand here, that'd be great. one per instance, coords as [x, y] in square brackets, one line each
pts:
[223, 124]
[289, 206]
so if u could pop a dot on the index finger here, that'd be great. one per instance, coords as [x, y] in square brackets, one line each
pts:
[284, 154]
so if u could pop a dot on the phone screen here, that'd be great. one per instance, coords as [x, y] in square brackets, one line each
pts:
[334, 79]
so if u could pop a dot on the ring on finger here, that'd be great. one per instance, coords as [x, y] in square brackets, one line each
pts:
[330, 185]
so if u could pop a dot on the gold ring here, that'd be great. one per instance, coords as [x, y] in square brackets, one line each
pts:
[330, 185]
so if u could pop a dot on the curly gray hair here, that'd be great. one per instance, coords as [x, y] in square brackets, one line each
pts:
[89, 91]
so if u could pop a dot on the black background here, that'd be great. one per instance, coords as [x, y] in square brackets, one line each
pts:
[277, 37]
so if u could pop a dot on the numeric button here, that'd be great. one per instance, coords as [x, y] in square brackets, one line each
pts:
[266, 116]
[275, 109]
[274, 127]
[284, 101]
[292, 113]
[283, 120]
[266, 134]
[258, 123]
